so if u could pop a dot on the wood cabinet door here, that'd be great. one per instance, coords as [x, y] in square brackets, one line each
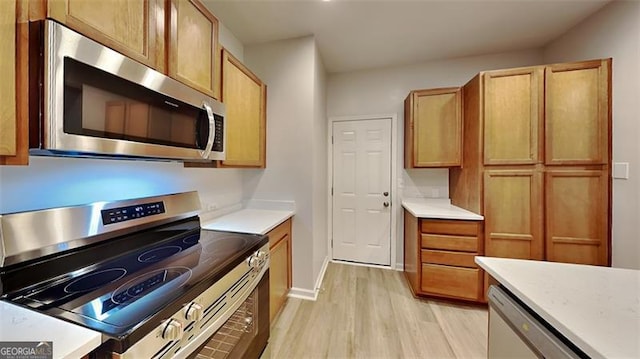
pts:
[193, 43]
[512, 116]
[244, 96]
[8, 115]
[577, 216]
[279, 276]
[577, 124]
[133, 28]
[434, 123]
[513, 208]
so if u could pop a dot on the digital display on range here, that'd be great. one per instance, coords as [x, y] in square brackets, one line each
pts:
[121, 214]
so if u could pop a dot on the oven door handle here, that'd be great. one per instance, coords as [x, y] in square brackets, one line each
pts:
[212, 131]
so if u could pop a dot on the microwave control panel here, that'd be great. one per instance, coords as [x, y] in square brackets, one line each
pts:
[122, 214]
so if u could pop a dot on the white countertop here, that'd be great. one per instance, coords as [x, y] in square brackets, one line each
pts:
[596, 308]
[258, 221]
[438, 208]
[69, 340]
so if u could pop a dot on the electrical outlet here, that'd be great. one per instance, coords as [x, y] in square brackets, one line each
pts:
[621, 170]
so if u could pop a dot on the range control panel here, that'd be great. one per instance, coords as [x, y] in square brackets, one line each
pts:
[121, 214]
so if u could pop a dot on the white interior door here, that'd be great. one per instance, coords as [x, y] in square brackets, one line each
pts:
[362, 191]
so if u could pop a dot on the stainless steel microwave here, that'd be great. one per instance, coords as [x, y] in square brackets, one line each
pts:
[93, 101]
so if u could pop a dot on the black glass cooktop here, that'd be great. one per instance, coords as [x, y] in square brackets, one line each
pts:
[113, 288]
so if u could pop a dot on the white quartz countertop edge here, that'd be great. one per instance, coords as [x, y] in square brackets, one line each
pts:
[68, 340]
[596, 308]
[438, 208]
[248, 220]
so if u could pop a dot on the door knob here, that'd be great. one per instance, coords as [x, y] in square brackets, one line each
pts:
[386, 204]
[386, 194]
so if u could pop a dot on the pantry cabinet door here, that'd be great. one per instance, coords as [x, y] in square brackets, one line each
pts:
[512, 116]
[193, 45]
[513, 209]
[133, 28]
[577, 118]
[577, 216]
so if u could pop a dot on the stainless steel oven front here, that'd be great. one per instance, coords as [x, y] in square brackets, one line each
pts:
[228, 320]
[96, 102]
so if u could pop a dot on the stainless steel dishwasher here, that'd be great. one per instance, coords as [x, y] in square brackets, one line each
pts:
[515, 332]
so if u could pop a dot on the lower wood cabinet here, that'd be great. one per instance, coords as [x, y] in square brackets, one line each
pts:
[280, 267]
[439, 257]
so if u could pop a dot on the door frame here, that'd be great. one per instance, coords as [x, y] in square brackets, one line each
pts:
[395, 200]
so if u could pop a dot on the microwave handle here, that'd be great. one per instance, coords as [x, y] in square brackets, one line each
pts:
[212, 131]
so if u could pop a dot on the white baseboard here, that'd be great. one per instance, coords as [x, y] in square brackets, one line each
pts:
[380, 266]
[307, 294]
[400, 267]
[323, 270]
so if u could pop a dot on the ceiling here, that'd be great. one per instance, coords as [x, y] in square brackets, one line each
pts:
[363, 34]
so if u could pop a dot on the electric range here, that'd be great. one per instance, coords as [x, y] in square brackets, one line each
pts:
[142, 272]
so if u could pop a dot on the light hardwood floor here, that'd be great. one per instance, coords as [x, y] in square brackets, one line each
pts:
[364, 312]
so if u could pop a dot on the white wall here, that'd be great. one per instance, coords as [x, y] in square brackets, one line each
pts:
[614, 32]
[382, 91]
[53, 182]
[228, 40]
[288, 67]
[320, 185]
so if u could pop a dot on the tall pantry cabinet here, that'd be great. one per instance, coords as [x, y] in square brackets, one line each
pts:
[537, 161]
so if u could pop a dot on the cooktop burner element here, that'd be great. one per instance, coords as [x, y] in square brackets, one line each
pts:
[157, 254]
[95, 280]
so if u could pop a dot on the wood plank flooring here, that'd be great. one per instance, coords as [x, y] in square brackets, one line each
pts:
[364, 312]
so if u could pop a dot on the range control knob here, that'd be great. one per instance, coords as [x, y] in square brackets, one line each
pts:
[193, 312]
[253, 262]
[171, 329]
[262, 255]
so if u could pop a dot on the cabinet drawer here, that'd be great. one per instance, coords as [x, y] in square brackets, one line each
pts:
[459, 259]
[462, 228]
[453, 243]
[276, 234]
[451, 281]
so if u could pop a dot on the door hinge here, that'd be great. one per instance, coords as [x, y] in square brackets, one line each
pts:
[332, 191]
[332, 140]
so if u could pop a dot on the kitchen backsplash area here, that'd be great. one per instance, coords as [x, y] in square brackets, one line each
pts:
[424, 183]
[54, 182]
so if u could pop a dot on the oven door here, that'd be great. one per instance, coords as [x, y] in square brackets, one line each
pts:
[245, 334]
[99, 102]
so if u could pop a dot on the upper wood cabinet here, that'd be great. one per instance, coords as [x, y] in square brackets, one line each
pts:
[513, 108]
[14, 67]
[132, 28]
[245, 98]
[192, 49]
[433, 128]
[8, 21]
[577, 113]
[577, 210]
